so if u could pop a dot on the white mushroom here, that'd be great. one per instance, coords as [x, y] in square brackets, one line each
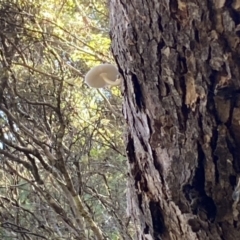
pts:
[102, 75]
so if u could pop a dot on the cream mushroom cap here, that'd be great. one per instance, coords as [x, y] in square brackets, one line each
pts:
[94, 79]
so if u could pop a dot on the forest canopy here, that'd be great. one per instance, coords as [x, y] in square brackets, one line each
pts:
[63, 165]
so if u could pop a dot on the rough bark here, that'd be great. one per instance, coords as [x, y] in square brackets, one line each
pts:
[181, 83]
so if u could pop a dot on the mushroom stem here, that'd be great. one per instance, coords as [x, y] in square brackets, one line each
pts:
[108, 81]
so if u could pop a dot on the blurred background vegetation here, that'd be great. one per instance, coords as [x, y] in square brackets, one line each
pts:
[62, 161]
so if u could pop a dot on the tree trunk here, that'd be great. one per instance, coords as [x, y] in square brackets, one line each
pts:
[181, 82]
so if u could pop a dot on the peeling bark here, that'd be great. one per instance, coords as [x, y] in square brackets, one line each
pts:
[181, 82]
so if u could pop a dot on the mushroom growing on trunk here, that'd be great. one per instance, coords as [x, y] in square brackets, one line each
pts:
[102, 75]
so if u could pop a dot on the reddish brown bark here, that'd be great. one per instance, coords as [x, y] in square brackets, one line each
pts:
[180, 67]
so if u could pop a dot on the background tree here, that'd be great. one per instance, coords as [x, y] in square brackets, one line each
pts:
[180, 66]
[62, 171]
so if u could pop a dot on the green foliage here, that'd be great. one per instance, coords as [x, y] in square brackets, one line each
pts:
[59, 139]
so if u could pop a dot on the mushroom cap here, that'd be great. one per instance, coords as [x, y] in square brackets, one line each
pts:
[93, 78]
